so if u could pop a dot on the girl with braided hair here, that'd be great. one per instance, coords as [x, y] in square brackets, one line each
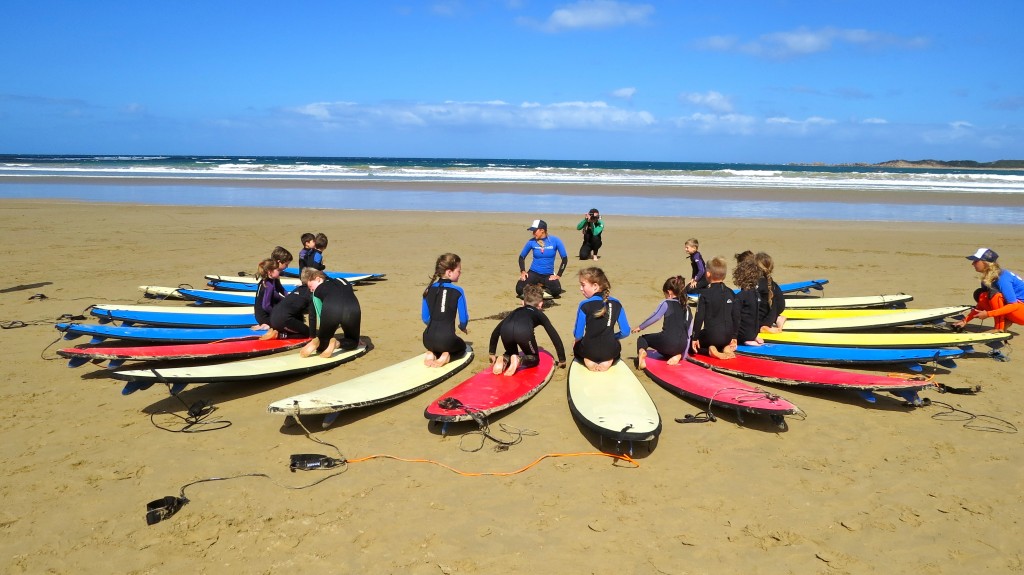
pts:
[771, 300]
[443, 304]
[674, 338]
[597, 341]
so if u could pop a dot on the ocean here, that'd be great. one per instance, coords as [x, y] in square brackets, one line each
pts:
[413, 184]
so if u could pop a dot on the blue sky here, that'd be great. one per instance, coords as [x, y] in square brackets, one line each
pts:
[734, 81]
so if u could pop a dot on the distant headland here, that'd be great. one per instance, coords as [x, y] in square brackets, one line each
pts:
[952, 165]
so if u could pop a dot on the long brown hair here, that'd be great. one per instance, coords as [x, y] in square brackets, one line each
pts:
[596, 276]
[677, 285]
[764, 261]
[445, 262]
[265, 267]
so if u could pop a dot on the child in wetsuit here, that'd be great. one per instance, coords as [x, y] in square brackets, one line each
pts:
[699, 278]
[269, 292]
[516, 333]
[597, 342]
[315, 257]
[746, 276]
[288, 318]
[444, 303]
[674, 338]
[772, 302]
[718, 315]
[334, 305]
[308, 245]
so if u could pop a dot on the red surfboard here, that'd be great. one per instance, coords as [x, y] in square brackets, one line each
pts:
[486, 393]
[784, 373]
[696, 382]
[236, 349]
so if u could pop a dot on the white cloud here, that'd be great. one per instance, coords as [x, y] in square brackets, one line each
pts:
[804, 126]
[714, 101]
[597, 14]
[624, 93]
[874, 121]
[490, 114]
[735, 124]
[804, 41]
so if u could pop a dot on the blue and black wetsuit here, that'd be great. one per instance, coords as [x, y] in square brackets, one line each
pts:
[516, 333]
[443, 304]
[596, 338]
[718, 317]
[698, 272]
[269, 293]
[543, 265]
[313, 258]
[674, 337]
[334, 301]
[288, 317]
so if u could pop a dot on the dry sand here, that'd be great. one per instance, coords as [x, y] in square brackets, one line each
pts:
[852, 488]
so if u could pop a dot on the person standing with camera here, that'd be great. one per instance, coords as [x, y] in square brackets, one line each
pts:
[592, 226]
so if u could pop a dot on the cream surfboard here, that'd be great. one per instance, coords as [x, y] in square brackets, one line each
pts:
[613, 403]
[875, 321]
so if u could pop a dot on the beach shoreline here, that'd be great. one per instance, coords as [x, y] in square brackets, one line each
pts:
[596, 190]
[850, 487]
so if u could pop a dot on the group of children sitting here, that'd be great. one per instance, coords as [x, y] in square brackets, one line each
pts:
[723, 317]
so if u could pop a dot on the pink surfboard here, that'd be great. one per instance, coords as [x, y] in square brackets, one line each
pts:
[704, 385]
[485, 393]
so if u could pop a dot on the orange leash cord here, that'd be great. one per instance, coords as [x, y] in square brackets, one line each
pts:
[620, 457]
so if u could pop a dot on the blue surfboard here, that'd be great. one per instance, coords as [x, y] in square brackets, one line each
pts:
[241, 286]
[183, 318]
[102, 332]
[219, 297]
[350, 276]
[788, 288]
[827, 355]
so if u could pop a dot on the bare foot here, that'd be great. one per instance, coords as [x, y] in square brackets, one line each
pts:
[513, 365]
[770, 329]
[641, 359]
[445, 358]
[604, 365]
[753, 342]
[259, 327]
[591, 365]
[675, 359]
[715, 353]
[331, 346]
[499, 365]
[429, 360]
[780, 322]
[310, 348]
[271, 334]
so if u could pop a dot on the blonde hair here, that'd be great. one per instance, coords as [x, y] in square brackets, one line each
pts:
[596, 276]
[444, 263]
[265, 267]
[692, 242]
[992, 271]
[718, 268]
[308, 274]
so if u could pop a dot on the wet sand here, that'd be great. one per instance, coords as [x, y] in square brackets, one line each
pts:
[852, 487]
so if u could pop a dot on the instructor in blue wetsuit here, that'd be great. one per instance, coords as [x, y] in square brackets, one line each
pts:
[542, 268]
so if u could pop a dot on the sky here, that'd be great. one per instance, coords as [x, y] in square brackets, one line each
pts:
[762, 81]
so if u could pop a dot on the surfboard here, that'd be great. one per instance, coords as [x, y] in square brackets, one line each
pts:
[486, 393]
[242, 287]
[184, 308]
[853, 302]
[716, 390]
[824, 355]
[787, 288]
[160, 292]
[803, 313]
[279, 365]
[352, 277]
[179, 317]
[101, 332]
[78, 356]
[285, 281]
[388, 384]
[613, 403]
[899, 340]
[214, 297]
[877, 321]
[791, 374]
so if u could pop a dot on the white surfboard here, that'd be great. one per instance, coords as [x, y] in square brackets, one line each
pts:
[866, 301]
[613, 403]
[874, 321]
[189, 309]
[828, 313]
[399, 380]
[251, 280]
[277, 365]
[161, 292]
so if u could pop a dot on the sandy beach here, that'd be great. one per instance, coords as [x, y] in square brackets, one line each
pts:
[852, 487]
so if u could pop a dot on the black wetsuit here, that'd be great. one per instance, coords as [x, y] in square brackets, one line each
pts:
[339, 307]
[313, 259]
[288, 317]
[698, 271]
[747, 300]
[767, 312]
[674, 337]
[442, 305]
[516, 333]
[267, 298]
[718, 317]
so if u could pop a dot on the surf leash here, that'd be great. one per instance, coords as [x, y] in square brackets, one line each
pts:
[484, 430]
[972, 421]
[195, 418]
